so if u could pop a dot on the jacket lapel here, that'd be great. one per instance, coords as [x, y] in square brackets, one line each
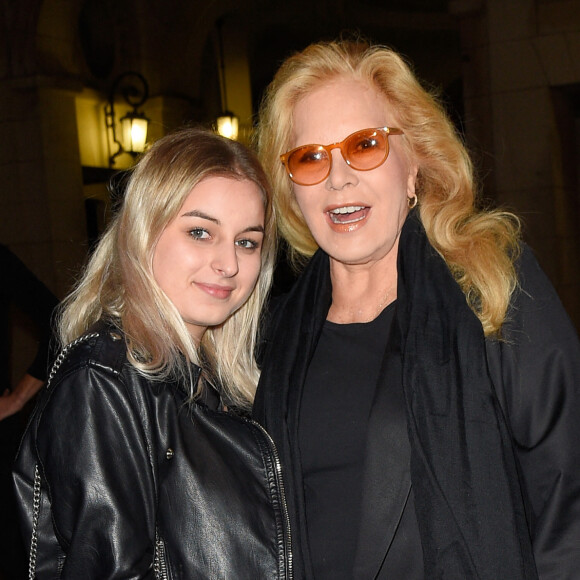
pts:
[387, 480]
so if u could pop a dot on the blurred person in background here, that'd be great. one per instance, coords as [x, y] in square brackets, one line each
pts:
[21, 291]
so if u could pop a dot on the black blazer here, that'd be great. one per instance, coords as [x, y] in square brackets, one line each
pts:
[535, 371]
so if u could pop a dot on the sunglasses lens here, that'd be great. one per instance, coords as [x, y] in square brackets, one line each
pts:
[366, 149]
[309, 164]
[363, 150]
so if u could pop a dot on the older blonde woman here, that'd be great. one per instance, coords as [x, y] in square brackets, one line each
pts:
[421, 377]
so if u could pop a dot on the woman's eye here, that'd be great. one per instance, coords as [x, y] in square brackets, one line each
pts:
[364, 144]
[248, 244]
[310, 155]
[199, 234]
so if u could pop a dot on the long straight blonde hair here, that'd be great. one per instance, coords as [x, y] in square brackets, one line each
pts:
[118, 282]
[479, 246]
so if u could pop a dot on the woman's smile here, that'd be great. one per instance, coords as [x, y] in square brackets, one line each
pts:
[348, 214]
[215, 290]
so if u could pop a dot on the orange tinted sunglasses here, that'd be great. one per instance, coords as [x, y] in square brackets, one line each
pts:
[363, 150]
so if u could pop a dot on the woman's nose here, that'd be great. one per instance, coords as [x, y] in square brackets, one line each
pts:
[341, 173]
[225, 261]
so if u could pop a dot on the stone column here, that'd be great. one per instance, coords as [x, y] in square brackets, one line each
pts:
[515, 54]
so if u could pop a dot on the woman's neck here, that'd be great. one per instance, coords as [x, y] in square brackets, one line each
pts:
[360, 292]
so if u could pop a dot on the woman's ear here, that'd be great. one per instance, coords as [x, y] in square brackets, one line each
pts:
[412, 180]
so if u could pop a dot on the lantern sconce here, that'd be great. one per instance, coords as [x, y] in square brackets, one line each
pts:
[226, 123]
[134, 89]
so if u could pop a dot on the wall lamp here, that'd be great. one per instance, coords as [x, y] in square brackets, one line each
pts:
[134, 89]
[226, 123]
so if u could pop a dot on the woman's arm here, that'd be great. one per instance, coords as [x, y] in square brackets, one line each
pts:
[97, 479]
[536, 370]
[11, 402]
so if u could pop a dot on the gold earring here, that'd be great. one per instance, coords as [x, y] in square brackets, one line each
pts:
[412, 201]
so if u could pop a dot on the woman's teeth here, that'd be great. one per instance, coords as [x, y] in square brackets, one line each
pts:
[341, 215]
[347, 209]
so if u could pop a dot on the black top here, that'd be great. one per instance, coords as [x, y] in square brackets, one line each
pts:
[335, 408]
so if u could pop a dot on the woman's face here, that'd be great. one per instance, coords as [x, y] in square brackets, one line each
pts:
[207, 259]
[355, 216]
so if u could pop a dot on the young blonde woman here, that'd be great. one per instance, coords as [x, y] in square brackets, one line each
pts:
[140, 461]
[421, 377]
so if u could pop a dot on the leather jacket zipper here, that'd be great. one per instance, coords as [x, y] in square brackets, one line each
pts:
[159, 563]
[285, 515]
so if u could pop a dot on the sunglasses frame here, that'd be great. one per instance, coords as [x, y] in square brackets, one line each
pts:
[340, 145]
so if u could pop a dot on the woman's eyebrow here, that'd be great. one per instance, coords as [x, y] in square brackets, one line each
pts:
[259, 229]
[200, 214]
[196, 213]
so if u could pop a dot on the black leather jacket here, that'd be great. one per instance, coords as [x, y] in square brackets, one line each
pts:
[137, 483]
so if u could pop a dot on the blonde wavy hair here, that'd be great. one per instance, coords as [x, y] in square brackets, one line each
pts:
[118, 282]
[478, 245]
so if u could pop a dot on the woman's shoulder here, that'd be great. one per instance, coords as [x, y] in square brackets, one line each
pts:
[536, 315]
[535, 296]
[96, 360]
[270, 317]
[103, 345]
[91, 372]
[530, 273]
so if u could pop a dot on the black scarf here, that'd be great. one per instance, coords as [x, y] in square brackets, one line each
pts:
[468, 500]
[469, 505]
